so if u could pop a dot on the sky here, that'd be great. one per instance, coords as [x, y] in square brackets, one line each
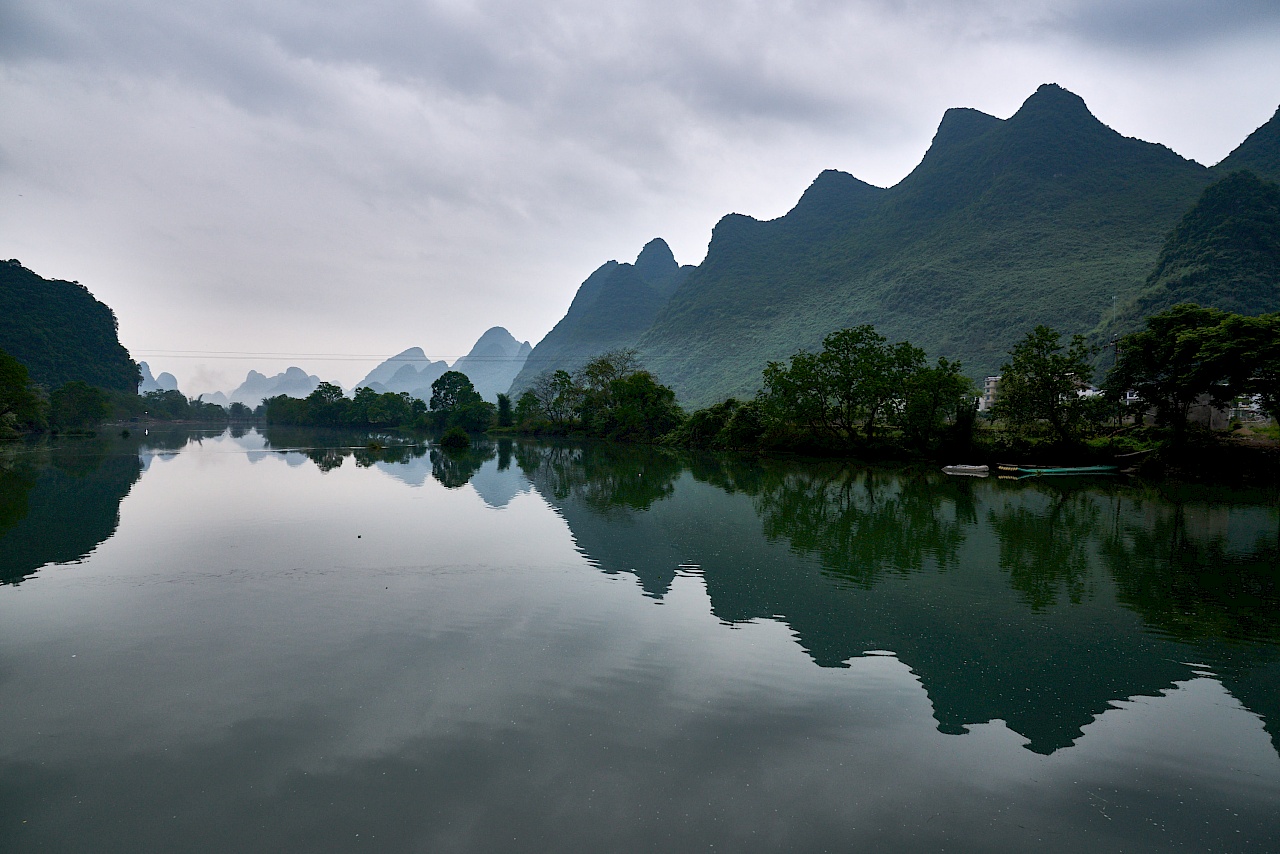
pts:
[324, 184]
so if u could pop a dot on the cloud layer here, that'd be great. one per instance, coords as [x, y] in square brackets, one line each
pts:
[329, 178]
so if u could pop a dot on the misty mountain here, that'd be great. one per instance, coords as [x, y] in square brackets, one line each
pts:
[165, 382]
[60, 332]
[410, 371]
[611, 309]
[293, 382]
[493, 362]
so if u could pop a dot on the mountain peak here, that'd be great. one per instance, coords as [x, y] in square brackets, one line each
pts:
[655, 260]
[1259, 153]
[1050, 99]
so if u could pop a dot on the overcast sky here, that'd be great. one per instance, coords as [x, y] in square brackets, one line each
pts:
[333, 180]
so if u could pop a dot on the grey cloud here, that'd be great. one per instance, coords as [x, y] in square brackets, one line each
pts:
[1153, 25]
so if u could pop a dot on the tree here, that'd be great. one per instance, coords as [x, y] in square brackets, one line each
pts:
[1183, 354]
[327, 405]
[1040, 383]
[504, 410]
[934, 396]
[20, 403]
[557, 397]
[77, 405]
[639, 408]
[851, 385]
[456, 403]
[452, 390]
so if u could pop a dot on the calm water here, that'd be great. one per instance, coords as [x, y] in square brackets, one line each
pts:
[235, 644]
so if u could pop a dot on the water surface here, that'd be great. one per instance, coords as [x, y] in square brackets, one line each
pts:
[220, 643]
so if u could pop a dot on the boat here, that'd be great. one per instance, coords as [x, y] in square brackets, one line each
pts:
[1037, 471]
[970, 471]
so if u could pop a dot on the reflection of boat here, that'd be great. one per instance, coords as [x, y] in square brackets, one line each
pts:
[971, 471]
[1035, 471]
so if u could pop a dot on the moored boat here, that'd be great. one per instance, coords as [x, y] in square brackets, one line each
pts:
[971, 471]
[1061, 470]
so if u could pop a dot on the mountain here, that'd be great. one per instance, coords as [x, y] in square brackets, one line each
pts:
[294, 382]
[494, 362]
[1259, 153]
[165, 382]
[410, 371]
[60, 332]
[1004, 224]
[611, 309]
[1225, 253]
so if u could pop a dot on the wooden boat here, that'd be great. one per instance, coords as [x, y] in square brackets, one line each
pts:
[1037, 471]
[970, 471]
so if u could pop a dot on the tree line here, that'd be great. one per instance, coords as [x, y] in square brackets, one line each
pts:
[858, 392]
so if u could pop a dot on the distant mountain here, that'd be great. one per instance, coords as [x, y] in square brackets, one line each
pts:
[410, 371]
[165, 382]
[1224, 253]
[611, 309]
[494, 362]
[293, 382]
[217, 397]
[1259, 153]
[60, 332]
[1005, 224]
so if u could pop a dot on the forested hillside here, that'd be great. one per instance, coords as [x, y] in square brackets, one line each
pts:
[612, 307]
[1005, 224]
[60, 332]
[1224, 253]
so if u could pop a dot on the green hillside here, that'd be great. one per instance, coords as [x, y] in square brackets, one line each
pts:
[1259, 153]
[1005, 224]
[60, 332]
[1224, 253]
[612, 307]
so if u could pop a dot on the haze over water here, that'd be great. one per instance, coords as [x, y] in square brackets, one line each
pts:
[304, 644]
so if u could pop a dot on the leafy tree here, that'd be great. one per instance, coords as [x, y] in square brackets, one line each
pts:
[20, 404]
[1041, 382]
[327, 405]
[1253, 352]
[1181, 355]
[78, 405]
[639, 408]
[456, 403]
[856, 380]
[933, 397]
[557, 397]
[504, 410]
[452, 390]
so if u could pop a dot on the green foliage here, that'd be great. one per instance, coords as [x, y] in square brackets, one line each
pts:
[60, 332]
[859, 382]
[1041, 218]
[610, 396]
[610, 310]
[1039, 384]
[505, 418]
[456, 403]
[455, 437]
[1224, 253]
[1189, 352]
[77, 406]
[937, 398]
[20, 405]
[451, 391]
